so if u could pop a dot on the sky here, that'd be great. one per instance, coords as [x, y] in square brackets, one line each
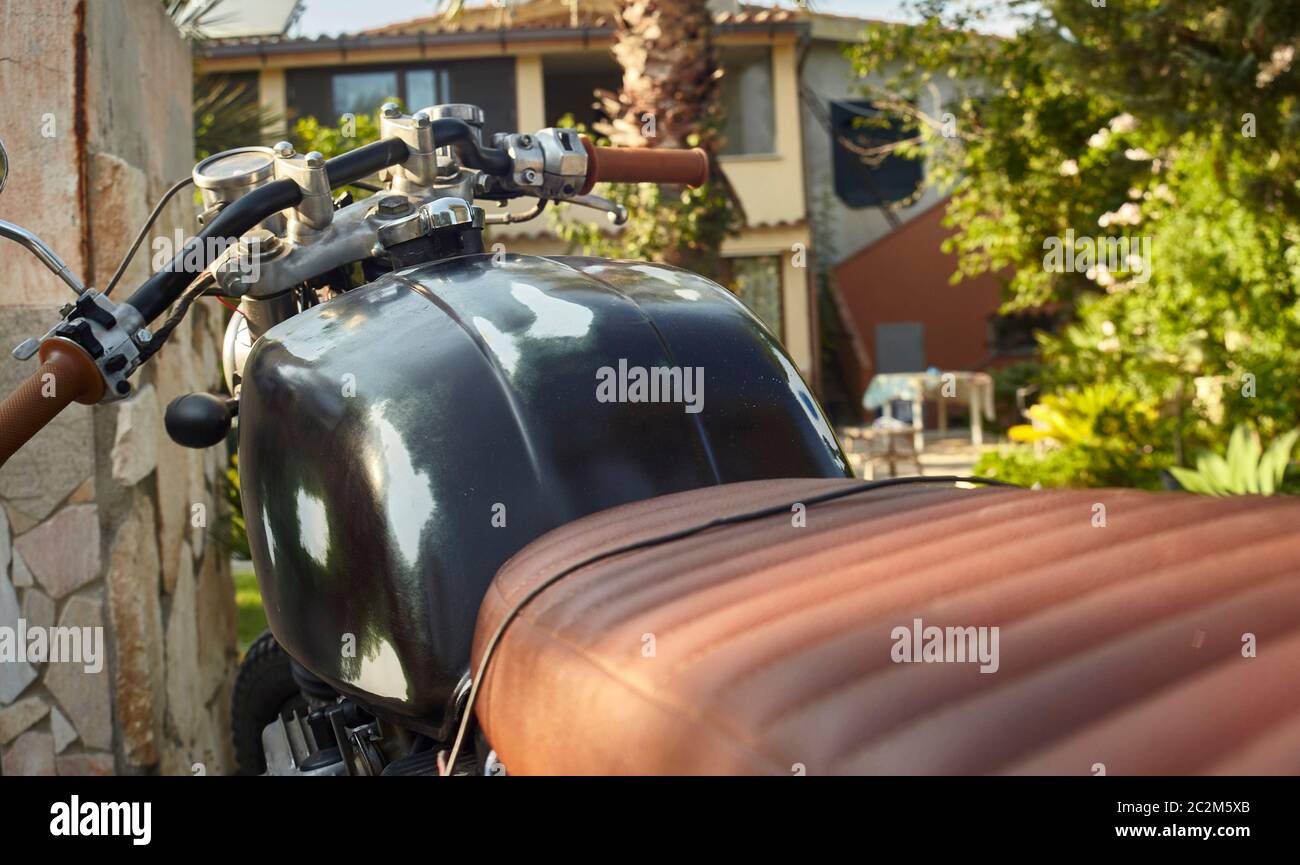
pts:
[332, 17]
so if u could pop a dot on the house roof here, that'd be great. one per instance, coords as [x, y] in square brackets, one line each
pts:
[552, 15]
[538, 20]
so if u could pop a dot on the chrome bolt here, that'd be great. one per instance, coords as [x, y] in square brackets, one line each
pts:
[143, 336]
[283, 150]
[525, 141]
[530, 176]
[315, 159]
[390, 110]
[421, 120]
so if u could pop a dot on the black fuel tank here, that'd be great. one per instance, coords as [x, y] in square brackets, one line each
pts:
[400, 442]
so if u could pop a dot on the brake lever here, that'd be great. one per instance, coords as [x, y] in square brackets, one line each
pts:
[617, 213]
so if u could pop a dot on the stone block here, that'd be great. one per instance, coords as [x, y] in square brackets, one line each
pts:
[63, 731]
[15, 676]
[22, 575]
[135, 612]
[63, 551]
[218, 624]
[135, 441]
[86, 697]
[80, 765]
[184, 688]
[38, 609]
[21, 715]
[32, 753]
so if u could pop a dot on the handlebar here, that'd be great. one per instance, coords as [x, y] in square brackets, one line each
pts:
[644, 165]
[614, 164]
[66, 375]
[162, 289]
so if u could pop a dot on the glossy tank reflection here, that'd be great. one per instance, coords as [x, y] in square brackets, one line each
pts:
[401, 441]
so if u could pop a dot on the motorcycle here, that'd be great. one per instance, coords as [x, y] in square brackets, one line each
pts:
[414, 409]
[514, 514]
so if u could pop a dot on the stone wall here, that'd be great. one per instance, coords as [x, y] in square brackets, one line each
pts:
[104, 522]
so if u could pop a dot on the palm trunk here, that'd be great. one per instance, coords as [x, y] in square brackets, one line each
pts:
[670, 99]
[670, 76]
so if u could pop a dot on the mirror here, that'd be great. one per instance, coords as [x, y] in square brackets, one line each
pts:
[4, 167]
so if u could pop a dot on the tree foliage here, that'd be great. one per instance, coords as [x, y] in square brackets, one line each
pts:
[1165, 124]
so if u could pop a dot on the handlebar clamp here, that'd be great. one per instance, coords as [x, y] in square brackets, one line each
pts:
[420, 170]
[314, 212]
[549, 164]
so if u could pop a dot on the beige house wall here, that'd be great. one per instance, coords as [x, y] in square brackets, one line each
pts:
[272, 95]
[770, 186]
[530, 92]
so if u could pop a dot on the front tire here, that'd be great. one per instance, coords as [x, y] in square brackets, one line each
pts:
[264, 689]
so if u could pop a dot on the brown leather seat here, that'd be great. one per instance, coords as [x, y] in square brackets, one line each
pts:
[764, 647]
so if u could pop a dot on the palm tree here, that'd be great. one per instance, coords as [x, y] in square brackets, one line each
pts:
[668, 98]
[671, 76]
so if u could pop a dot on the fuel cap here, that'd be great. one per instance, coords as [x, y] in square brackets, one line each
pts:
[440, 215]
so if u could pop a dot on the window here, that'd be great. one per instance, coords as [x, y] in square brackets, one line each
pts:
[425, 87]
[749, 124]
[362, 92]
[328, 93]
[756, 280]
[864, 184]
[571, 82]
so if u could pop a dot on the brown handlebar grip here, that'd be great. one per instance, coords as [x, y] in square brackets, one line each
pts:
[644, 165]
[66, 375]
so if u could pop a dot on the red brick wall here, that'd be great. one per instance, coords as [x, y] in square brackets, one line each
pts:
[904, 277]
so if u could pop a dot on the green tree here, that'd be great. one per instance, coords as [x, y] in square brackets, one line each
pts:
[352, 131]
[1164, 124]
[310, 134]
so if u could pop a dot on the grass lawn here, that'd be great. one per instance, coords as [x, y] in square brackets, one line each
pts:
[248, 598]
